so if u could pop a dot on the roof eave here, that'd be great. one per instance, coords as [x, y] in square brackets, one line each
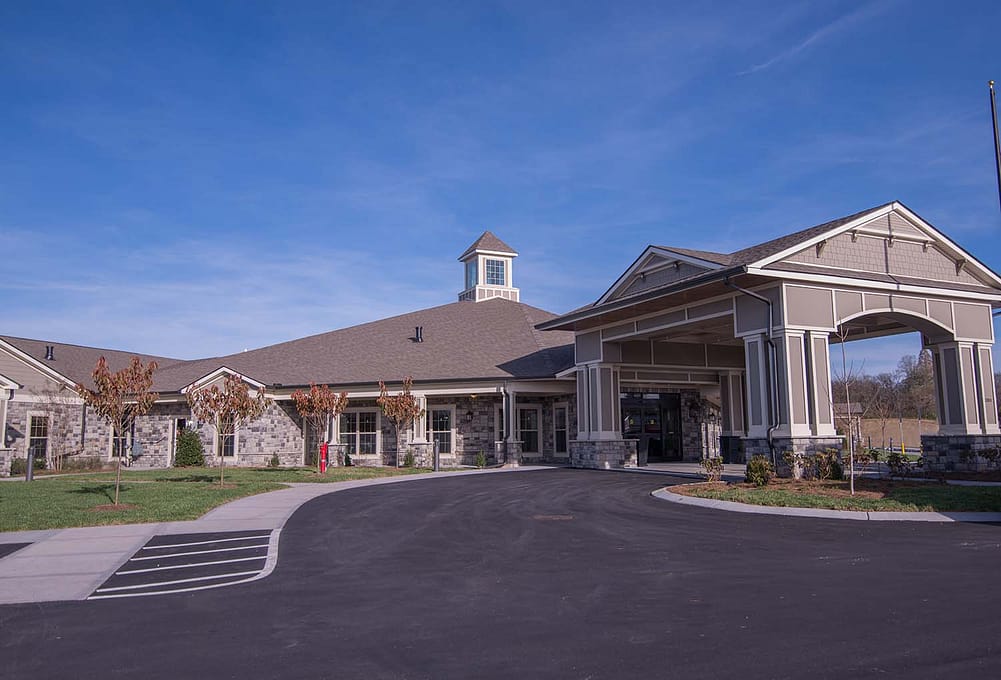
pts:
[566, 322]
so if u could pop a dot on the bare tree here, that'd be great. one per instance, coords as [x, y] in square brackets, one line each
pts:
[231, 406]
[319, 406]
[61, 406]
[401, 409]
[120, 398]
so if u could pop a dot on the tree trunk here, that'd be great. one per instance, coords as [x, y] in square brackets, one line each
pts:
[118, 477]
[219, 450]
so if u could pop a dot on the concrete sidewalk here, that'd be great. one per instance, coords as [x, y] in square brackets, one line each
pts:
[69, 564]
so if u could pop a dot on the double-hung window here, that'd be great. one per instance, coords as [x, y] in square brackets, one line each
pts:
[560, 428]
[528, 429]
[227, 437]
[440, 428]
[38, 437]
[359, 432]
[121, 440]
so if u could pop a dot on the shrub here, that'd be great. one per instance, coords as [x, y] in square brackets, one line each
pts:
[759, 471]
[85, 464]
[408, 459]
[897, 462]
[190, 452]
[481, 460]
[18, 466]
[712, 468]
[347, 459]
[828, 464]
[274, 461]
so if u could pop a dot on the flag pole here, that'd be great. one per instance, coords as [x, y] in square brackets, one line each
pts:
[997, 140]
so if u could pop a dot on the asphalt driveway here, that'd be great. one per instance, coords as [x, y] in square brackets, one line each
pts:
[553, 574]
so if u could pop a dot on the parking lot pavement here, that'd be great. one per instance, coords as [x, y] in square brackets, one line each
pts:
[10, 548]
[180, 563]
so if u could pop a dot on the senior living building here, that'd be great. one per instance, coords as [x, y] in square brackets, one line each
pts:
[688, 354]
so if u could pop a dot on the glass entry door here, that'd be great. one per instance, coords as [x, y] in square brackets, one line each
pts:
[654, 420]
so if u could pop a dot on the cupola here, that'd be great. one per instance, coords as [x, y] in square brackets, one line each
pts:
[488, 270]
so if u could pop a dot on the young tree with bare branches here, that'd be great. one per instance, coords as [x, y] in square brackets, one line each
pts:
[318, 407]
[232, 406]
[401, 409]
[120, 398]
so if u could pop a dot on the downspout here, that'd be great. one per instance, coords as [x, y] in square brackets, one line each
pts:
[772, 376]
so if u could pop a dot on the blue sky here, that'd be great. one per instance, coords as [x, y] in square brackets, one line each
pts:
[193, 179]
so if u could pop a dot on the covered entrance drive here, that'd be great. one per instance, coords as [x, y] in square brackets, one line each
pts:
[746, 336]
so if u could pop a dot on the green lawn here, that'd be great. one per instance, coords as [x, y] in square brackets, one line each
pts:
[158, 495]
[871, 495]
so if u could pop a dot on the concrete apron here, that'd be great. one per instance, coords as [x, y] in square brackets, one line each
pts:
[69, 564]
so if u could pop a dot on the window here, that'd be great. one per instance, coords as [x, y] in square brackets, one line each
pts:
[38, 437]
[495, 273]
[560, 428]
[359, 432]
[470, 274]
[227, 437]
[440, 427]
[528, 429]
[121, 440]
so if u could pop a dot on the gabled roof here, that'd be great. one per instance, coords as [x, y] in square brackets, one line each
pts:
[8, 384]
[490, 243]
[74, 363]
[219, 372]
[755, 258]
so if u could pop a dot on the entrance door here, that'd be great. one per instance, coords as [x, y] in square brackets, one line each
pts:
[654, 420]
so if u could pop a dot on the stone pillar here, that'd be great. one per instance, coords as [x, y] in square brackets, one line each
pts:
[599, 419]
[967, 411]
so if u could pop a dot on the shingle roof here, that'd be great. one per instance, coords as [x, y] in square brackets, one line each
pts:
[768, 248]
[462, 341]
[77, 362]
[487, 241]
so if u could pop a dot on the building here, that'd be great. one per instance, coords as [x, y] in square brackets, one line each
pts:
[688, 353]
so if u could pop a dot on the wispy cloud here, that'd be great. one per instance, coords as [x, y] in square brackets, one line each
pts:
[839, 25]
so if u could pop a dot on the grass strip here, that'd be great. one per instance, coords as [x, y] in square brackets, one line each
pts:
[169, 495]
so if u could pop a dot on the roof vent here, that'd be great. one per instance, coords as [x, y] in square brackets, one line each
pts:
[49, 353]
[419, 334]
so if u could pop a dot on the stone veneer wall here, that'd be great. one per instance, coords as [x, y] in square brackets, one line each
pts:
[74, 431]
[947, 453]
[603, 454]
[804, 445]
[692, 444]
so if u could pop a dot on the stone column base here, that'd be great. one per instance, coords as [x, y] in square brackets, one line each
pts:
[508, 452]
[805, 445]
[957, 452]
[603, 454]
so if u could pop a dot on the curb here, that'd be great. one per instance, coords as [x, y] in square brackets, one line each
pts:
[823, 513]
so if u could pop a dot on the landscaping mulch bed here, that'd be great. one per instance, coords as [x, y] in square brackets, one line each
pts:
[873, 495]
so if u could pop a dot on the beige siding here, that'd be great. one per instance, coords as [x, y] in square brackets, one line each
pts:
[973, 321]
[809, 307]
[588, 347]
[17, 370]
[660, 277]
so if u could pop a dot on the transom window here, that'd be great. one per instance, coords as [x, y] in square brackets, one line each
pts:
[495, 273]
[440, 427]
[38, 437]
[359, 432]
